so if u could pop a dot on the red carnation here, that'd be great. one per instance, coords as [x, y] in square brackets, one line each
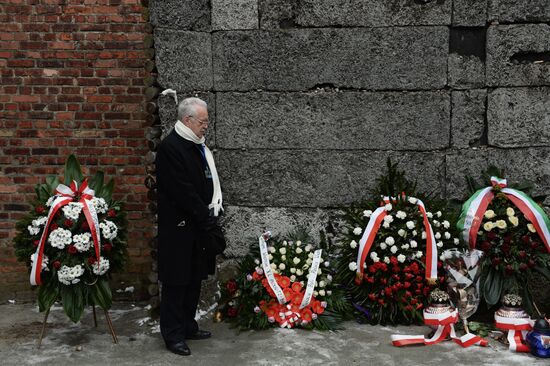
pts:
[393, 260]
[522, 253]
[372, 297]
[408, 308]
[508, 238]
[232, 312]
[35, 243]
[485, 246]
[107, 247]
[91, 260]
[85, 225]
[509, 270]
[111, 212]
[496, 261]
[67, 223]
[525, 239]
[296, 286]
[71, 249]
[491, 235]
[419, 278]
[381, 301]
[40, 209]
[231, 286]
[53, 226]
[534, 244]
[407, 284]
[531, 263]
[523, 266]
[56, 264]
[256, 276]
[283, 281]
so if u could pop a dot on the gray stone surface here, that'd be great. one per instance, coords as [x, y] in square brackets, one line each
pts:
[183, 15]
[334, 120]
[529, 164]
[369, 58]
[519, 117]
[469, 13]
[243, 225]
[234, 14]
[503, 42]
[468, 117]
[168, 114]
[316, 178]
[184, 59]
[519, 11]
[466, 71]
[353, 13]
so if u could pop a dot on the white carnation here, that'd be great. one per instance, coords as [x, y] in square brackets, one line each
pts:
[352, 266]
[413, 200]
[298, 243]
[388, 218]
[296, 260]
[401, 214]
[405, 246]
[308, 248]
[410, 225]
[282, 266]
[383, 246]
[373, 255]
[401, 258]
[446, 224]
[293, 278]
[423, 235]
[386, 224]
[437, 235]
[413, 243]
[367, 213]
[393, 249]
[322, 284]
[299, 272]
[388, 206]
[357, 231]
[447, 235]
[439, 244]
[272, 249]
[386, 260]
[352, 244]
[456, 241]
[438, 213]
[401, 232]
[429, 215]
[282, 250]
[321, 292]
[390, 241]
[293, 270]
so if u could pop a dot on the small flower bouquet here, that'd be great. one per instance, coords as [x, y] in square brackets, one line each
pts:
[72, 240]
[513, 232]
[284, 283]
[389, 262]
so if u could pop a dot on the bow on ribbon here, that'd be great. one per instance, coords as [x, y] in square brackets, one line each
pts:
[474, 209]
[445, 328]
[517, 330]
[63, 196]
[373, 226]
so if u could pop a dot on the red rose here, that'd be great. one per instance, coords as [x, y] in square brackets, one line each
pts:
[370, 279]
[85, 225]
[40, 209]
[439, 264]
[232, 312]
[107, 247]
[91, 260]
[393, 260]
[35, 243]
[492, 235]
[388, 291]
[71, 249]
[53, 226]
[526, 239]
[56, 264]
[414, 301]
[522, 253]
[111, 212]
[505, 248]
[496, 261]
[407, 284]
[523, 267]
[534, 244]
[508, 238]
[485, 246]
[381, 301]
[531, 263]
[509, 270]
[67, 223]
[408, 308]
[372, 297]
[231, 286]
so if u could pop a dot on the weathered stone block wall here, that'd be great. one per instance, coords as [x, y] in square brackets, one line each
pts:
[308, 98]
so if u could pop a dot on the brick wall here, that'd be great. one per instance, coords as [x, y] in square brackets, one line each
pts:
[71, 82]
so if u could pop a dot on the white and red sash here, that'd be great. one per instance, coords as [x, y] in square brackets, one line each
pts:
[517, 330]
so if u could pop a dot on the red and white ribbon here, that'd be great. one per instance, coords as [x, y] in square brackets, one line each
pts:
[65, 195]
[517, 330]
[375, 221]
[445, 328]
[266, 265]
[312, 277]
[474, 209]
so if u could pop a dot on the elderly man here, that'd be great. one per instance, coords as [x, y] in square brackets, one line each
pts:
[189, 201]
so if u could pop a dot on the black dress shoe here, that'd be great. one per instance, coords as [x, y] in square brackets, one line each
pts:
[200, 334]
[179, 348]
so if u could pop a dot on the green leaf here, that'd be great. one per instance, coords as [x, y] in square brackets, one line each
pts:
[543, 271]
[73, 301]
[107, 191]
[47, 294]
[72, 170]
[96, 183]
[492, 287]
[101, 294]
[52, 182]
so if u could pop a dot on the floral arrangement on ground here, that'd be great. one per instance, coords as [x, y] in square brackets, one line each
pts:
[388, 258]
[289, 283]
[72, 240]
[512, 230]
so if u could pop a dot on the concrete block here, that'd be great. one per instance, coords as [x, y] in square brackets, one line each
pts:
[508, 11]
[184, 60]
[519, 117]
[234, 14]
[316, 178]
[468, 118]
[467, 57]
[529, 164]
[334, 120]
[243, 225]
[469, 13]
[514, 55]
[182, 15]
[352, 13]
[301, 59]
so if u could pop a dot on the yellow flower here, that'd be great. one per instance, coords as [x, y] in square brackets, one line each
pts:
[488, 226]
[510, 211]
[531, 228]
[513, 220]
[490, 214]
[501, 224]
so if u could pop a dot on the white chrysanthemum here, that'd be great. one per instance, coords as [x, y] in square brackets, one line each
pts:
[439, 244]
[33, 230]
[456, 241]
[387, 260]
[393, 249]
[438, 214]
[352, 244]
[357, 231]
[429, 215]
[401, 214]
[413, 243]
[100, 205]
[446, 224]
[44, 261]
[282, 250]
[447, 235]
[388, 206]
[296, 260]
[367, 213]
[82, 242]
[383, 246]
[352, 266]
[50, 200]
[40, 221]
[410, 225]
[405, 246]
[108, 229]
[373, 255]
[401, 232]
[437, 235]
[413, 200]
[419, 254]
[401, 258]
[390, 240]
[385, 224]
[70, 275]
[59, 238]
[72, 210]
[102, 268]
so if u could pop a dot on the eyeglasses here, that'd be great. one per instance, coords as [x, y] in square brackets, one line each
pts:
[202, 122]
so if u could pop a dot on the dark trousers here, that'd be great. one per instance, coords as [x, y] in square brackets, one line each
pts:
[178, 306]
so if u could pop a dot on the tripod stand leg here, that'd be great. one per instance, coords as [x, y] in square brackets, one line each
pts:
[110, 324]
[43, 328]
[95, 318]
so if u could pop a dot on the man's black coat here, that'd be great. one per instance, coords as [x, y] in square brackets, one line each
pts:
[183, 194]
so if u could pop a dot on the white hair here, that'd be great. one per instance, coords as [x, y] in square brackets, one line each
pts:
[188, 107]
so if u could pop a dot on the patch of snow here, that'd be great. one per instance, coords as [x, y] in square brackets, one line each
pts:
[11, 301]
[129, 289]
[142, 321]
[148, 307]
[200, 313]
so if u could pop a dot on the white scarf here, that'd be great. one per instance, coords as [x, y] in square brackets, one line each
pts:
[189, 135]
